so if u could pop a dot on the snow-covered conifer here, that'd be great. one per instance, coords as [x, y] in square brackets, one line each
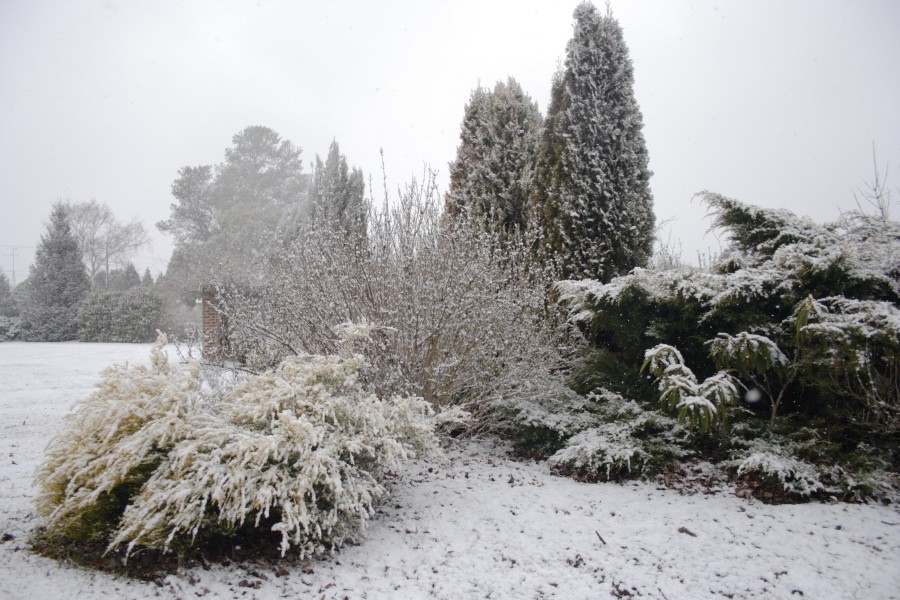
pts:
[490, 178]
[337, 194]
[592, 194]
[58, 283]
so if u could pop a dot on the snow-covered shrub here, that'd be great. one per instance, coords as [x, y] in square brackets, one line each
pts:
[701, 404]
[129, 316]
[622, 441]
[156, 457]
[800, 314]
[853, 348]
[463, 317]
[9, 328]
[759, 360]
[776, 262]
[770, 461]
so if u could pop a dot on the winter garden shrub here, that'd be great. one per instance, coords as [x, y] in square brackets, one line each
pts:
[129, 316]
[802, 316]
[701, 404]
[160, 456]
[622, 441]
[463, 317]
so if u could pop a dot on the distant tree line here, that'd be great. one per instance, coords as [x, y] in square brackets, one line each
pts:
[81, 285]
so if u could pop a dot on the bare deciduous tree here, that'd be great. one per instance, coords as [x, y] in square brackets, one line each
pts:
[103, 241]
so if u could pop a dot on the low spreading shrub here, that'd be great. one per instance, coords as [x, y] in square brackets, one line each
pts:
[157, 456]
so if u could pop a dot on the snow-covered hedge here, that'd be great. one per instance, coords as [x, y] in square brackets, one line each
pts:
[156, 456]
[129, 316]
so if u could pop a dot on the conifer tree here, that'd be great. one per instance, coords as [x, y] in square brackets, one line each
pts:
[147, 279]
[491, 176]
[592, 194]
[58, 283]
[338, 193]
[8, 306]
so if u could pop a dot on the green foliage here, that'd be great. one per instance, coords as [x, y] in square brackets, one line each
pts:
[591, 197]
[701, 405]
[851, 350]
[57, 284]
[747, 352]
[490, 178]
[623, 441]
[132, 316]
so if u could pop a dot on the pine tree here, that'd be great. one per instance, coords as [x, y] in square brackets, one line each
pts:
[592, 194]
[338, 193]
[491, 176]
[147, 279]
[58, 283]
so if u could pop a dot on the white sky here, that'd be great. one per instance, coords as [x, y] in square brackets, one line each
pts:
[774, 103]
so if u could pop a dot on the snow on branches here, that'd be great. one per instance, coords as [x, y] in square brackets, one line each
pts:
[701, 404]
[154, 458]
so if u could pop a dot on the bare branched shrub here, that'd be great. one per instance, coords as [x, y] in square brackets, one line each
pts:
[462, 318]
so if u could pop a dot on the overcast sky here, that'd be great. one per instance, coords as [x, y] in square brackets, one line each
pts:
[772, 102]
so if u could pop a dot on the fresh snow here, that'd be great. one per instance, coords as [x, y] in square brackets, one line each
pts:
[473, 524]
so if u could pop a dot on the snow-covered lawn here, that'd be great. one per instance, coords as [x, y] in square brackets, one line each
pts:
[474, 524]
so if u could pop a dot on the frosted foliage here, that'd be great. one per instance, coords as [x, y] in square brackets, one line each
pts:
[492, 173]
[700, 403]
[791, 253]
[747, 352]
[299, 449]
[458, 321]
[767, 459]
[612, 445]
[592, 195]
[856, 345]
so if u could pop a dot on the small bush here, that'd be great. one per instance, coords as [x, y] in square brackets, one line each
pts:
[156, 458]
[624, 441]
[9, 328]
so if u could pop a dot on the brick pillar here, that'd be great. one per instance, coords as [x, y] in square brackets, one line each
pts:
[213, 332]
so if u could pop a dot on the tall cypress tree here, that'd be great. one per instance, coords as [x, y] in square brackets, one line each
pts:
[338, 194]
[491, 176]
[592, 184]
[58, 282]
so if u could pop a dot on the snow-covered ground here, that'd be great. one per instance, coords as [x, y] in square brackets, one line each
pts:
[474, 524]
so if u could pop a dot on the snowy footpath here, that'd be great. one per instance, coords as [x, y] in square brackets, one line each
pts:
[472, 524]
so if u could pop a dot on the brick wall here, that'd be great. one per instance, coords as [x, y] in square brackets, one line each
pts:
[213, 330]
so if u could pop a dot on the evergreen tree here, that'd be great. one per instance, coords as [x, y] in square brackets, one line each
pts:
[226, 216]
[338, 193]
[491, 176]
[121, 279]
[147, 279]
[8, 306]
[592, 186]
[58, 282]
